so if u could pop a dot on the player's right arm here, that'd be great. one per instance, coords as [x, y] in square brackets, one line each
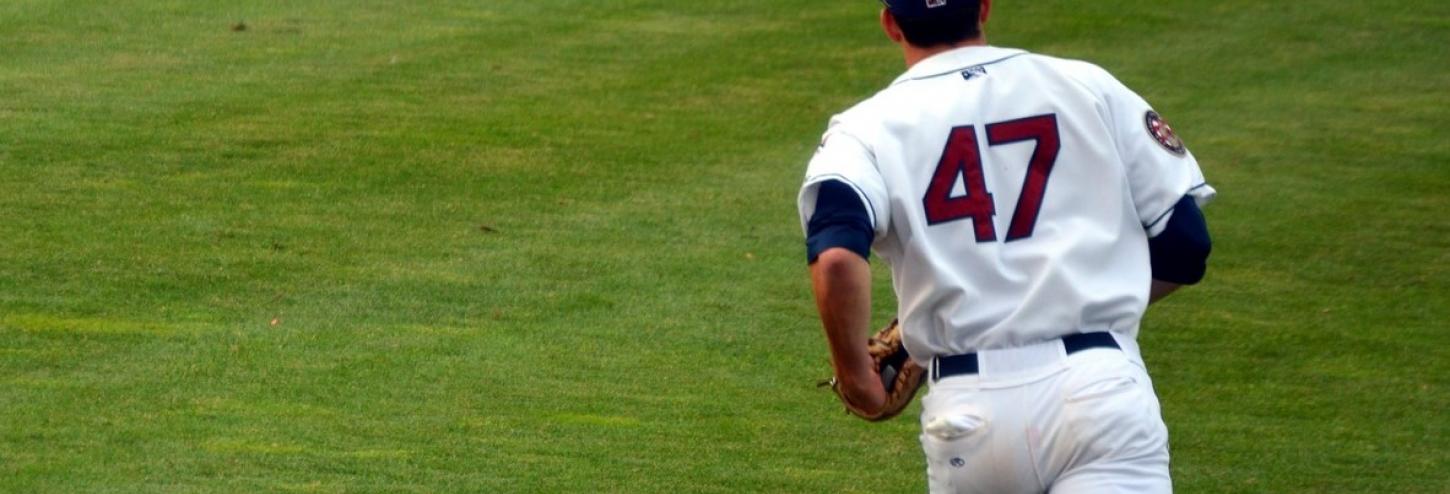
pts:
[841, 280]
[842, 207]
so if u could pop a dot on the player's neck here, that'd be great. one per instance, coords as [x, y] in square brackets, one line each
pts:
[916, 54]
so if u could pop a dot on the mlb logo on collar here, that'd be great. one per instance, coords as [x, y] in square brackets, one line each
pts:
[974, 72]
[931, 4]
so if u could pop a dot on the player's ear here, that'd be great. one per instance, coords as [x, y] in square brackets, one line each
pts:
[893, 31]
[984, 13]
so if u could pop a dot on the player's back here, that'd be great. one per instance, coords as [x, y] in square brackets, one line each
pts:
[1010, 218]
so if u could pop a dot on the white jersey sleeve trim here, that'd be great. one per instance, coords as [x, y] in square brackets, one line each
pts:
[1200, 200]
[1202, 195]
[845, 157]
[812, 184]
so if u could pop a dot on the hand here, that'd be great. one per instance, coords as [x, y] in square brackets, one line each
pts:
[862, 388]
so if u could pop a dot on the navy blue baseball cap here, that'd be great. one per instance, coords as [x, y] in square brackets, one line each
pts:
[924, 9]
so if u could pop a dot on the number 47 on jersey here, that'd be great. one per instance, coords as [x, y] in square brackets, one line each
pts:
[963, 158]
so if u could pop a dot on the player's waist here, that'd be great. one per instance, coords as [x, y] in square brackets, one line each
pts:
[1028, 359]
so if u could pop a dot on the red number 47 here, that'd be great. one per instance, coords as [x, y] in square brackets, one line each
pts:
[963, 158]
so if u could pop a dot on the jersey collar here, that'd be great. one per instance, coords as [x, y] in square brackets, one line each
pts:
[956, 59]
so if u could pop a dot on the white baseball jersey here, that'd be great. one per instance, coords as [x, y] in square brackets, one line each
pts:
[1011, 193]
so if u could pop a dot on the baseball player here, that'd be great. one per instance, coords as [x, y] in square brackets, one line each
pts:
[1030, 209]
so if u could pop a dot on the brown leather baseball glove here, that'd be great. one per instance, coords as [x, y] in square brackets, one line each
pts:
[901, 376]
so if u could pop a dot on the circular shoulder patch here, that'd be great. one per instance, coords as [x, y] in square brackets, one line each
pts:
[1162, 133]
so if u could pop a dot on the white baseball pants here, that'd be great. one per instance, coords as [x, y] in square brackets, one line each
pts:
[1036, 420]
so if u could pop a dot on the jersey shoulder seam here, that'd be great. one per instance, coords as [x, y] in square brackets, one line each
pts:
[1077, 76]
[840, 129]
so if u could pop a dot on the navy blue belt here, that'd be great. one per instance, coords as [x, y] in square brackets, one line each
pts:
[957, 365]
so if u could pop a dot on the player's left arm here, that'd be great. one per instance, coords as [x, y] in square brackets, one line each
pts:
[1167, 188]
[1160, 289]
[1179, 253]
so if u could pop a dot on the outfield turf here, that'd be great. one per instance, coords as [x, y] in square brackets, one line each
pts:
[551, 245]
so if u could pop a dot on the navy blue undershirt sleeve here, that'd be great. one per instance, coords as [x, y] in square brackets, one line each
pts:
[1180, 254]
[840, 220]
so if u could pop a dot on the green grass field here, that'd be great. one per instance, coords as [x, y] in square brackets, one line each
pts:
[551, 245]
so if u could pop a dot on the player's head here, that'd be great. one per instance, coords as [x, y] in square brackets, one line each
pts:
[929, 23]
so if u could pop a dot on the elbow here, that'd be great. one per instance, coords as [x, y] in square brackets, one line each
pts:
[837, 265]
[836, 259]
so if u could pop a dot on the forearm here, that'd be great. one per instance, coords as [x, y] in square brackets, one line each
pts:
[1161, 289]
[841, 281]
